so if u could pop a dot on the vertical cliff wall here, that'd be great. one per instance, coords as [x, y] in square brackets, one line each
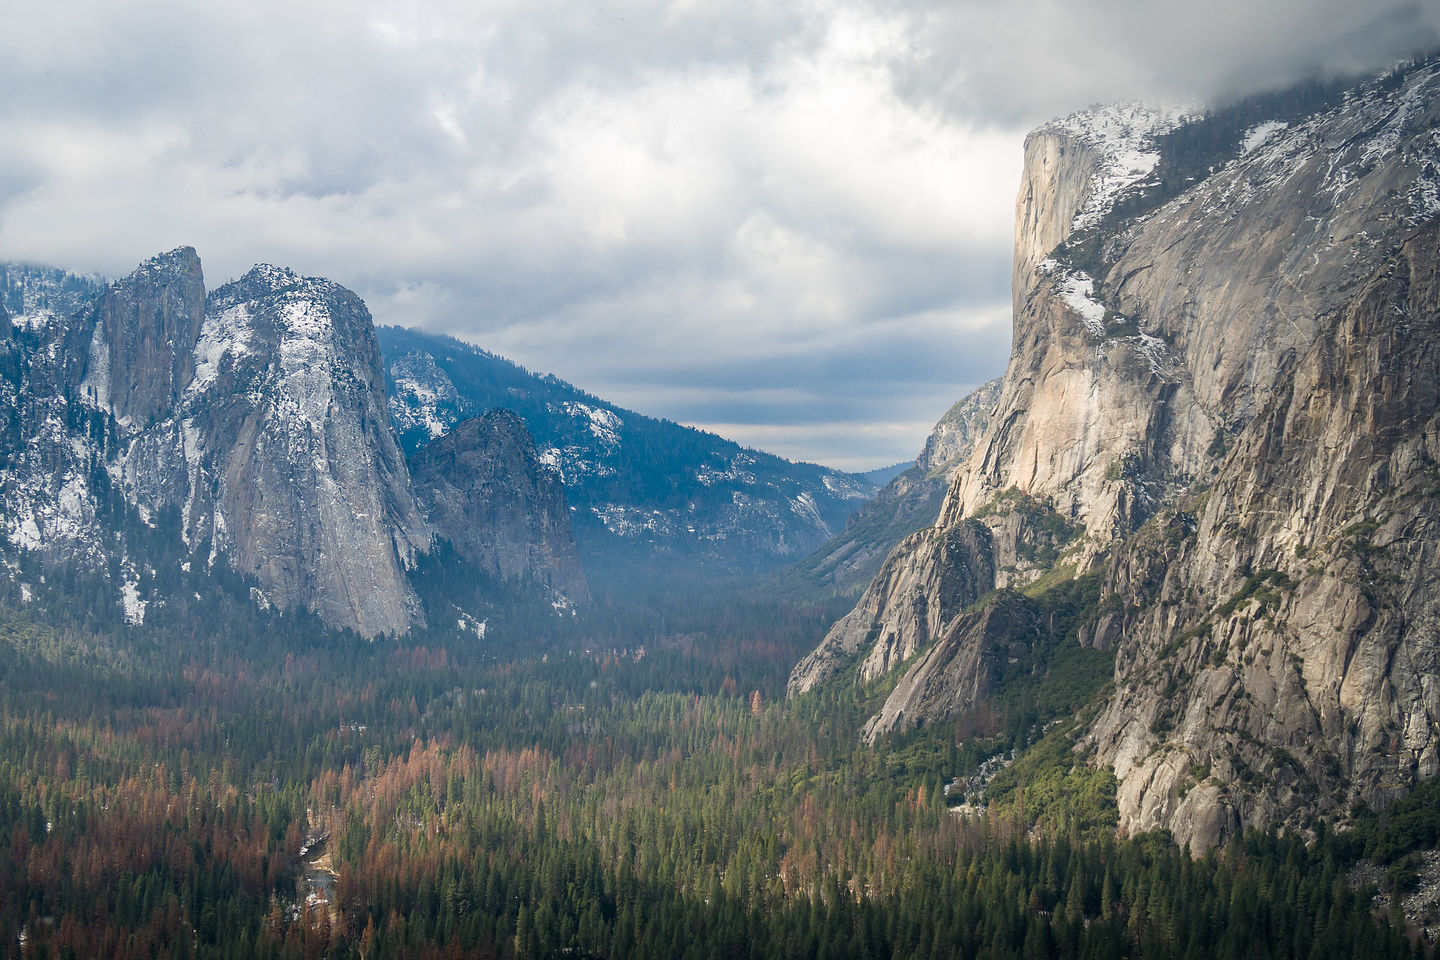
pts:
[1260, 544]
[1289, 643]
[257, 414]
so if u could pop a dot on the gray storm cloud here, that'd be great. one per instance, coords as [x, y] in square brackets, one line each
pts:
[789, 223]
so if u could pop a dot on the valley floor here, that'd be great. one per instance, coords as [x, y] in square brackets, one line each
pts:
[602, 792]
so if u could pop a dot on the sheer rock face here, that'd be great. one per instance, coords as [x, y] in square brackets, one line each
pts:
[253, 422]
[253, 419]
[959, 671]
[925, 583]
[1267, 335]
[140, 357]
[1116, 391]
[486, 491]
[294, 472]
[1327, 674]
[1057, 179]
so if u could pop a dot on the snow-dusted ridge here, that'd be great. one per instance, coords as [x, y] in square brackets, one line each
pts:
[422, 396]
[1257, 135]
[1124, 136]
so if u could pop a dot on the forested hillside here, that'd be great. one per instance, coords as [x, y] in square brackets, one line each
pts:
[654, 500]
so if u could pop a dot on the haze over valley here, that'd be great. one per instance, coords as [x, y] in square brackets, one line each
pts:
[887, 568]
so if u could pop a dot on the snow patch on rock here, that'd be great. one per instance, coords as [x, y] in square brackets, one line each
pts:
[423, 396]
[1424, 196]
[626, 521]
[130, 599]
[52, 519]
[846, 488]
[222, 334]
[1077, 291]
[468, 624]
[1124, 135]
[96, 385]
[34, 322]
[604, 424]
[1259, 134]
[552, 458]
[805, 507]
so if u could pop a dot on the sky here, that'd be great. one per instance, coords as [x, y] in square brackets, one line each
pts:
[786, 222]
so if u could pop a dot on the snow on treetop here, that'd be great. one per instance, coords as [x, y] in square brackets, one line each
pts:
[273, 275]
[275, 280]
[1124, 136]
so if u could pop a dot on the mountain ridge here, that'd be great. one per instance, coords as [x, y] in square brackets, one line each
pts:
[907, 502]
[246, 426]
[654, 499]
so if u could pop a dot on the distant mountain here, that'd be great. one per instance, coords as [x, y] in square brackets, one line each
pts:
[648, 495]
[884, 475]
[155, 433]
[910, 500]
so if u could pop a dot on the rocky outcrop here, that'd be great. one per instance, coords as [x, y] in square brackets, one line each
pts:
[484, 490]
[963, 667]
[252, 421]
[926, 582]
[1074, 171]
[911, 500]
[251, 427]
[1072, 414]
[1209, 392]
[294, 472]
[140, 358]
[957, 432]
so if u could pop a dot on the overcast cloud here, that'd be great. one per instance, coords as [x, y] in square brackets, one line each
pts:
[788, 223]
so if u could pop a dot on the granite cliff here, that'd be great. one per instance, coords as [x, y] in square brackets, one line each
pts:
[248, 425]
[1220, 402]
